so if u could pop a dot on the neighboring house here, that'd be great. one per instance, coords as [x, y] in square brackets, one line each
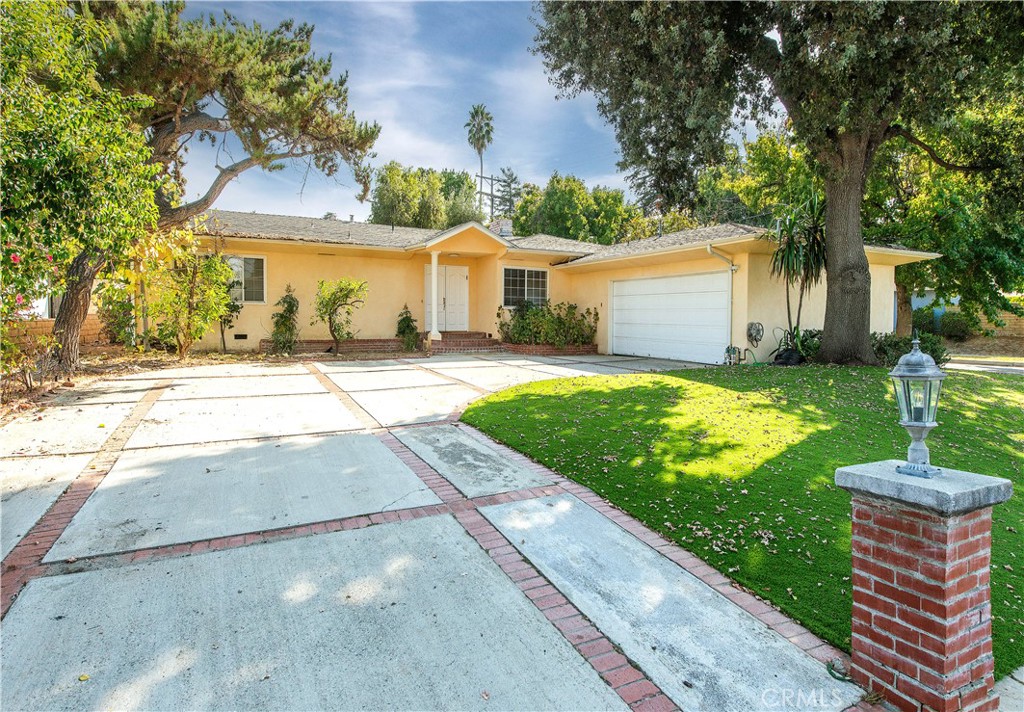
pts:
[686, 295]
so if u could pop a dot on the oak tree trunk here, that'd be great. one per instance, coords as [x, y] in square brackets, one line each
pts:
[846, 337]
[904, 311]
[74, 308]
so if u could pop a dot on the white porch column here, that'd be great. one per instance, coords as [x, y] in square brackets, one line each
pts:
[435, 335]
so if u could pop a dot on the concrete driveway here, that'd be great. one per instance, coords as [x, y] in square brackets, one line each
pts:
[328, 536]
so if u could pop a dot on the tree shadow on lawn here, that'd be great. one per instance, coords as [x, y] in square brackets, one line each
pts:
[737, 465]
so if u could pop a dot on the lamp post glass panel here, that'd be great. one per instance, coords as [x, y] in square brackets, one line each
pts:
[917, 382]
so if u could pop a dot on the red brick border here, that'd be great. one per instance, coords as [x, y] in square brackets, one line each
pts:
[24, 562]
[763, 611]
[631, 684]
[549, 349]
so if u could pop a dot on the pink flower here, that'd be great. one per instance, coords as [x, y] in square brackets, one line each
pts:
[19, 299]
[15, 259]
[49, 258]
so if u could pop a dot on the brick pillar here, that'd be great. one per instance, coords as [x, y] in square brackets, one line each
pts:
[922, 620]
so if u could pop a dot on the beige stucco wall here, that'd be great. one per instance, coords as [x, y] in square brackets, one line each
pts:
[766, 304]
[394, 279]
[397, 278]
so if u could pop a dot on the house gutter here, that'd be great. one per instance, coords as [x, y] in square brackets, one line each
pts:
[732, 272]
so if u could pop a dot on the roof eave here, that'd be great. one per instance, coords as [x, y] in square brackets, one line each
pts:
[702, 245]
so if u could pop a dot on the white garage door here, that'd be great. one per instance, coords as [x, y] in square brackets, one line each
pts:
[684, 318]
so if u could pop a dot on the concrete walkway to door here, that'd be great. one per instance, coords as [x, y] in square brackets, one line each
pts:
[328, 536]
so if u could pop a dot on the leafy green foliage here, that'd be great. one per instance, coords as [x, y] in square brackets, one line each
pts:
[975, 220]
[924, 320]
[422, 197]
[75, 173]
[116, 310]
[285, 334]
[954, 325]
[565, 208]
[335, 303]
[671, 77]
[889, 348]
[559, 325]
[209, 77]
[407, 330]
[193, 296]
[231, 313]
[736, 465]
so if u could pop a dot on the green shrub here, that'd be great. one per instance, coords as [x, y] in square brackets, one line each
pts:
[559, 325]
[889, 347]
[954, 325]
[335, 302]
[116, 312]
[810, 343]
[286, 323]
[924, 320]
[407, 330]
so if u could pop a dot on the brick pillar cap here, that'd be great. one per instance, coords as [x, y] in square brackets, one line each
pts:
[950, 492]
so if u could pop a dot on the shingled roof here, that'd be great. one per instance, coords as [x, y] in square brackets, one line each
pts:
[227, 223]
[550, 243]
[672, 240]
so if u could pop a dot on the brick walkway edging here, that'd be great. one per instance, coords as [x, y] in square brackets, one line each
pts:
[24, 562]
[775, 619]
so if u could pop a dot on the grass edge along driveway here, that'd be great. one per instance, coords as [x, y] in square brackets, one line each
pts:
[737, 465]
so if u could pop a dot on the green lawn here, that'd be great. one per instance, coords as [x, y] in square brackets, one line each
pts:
[737, 465]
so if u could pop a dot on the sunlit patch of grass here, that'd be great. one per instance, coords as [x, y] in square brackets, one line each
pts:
[737, 465]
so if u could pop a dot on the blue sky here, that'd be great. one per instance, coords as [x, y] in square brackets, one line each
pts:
[416, 69]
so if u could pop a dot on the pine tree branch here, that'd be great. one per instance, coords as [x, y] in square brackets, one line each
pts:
[175, 216]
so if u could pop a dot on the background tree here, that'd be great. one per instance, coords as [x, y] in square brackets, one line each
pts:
[851, 76]
[510, 189]
[459, 193]
[205, 79]
[422, 197]
[565, 208]
[335, 302]
[76, 185]
[480, 128]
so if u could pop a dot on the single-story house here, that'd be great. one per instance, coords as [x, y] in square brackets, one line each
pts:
[685, 295]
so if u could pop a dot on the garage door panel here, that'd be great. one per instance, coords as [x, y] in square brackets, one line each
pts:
[660, 285]
[671, 317]
[671, 332]
[682, 317]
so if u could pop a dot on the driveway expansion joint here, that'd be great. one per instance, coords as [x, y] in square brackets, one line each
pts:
[23, 563]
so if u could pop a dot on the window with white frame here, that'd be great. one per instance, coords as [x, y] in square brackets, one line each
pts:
[525, 285]
[250, 279]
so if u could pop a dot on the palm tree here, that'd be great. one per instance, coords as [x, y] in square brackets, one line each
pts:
[800, 256]
[481, 131]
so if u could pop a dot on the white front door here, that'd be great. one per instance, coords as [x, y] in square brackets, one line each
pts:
[452, 297]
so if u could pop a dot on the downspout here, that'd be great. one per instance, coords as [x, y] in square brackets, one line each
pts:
[732, 271]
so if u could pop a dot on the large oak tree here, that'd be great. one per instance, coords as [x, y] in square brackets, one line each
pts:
[209, 78]
[673, 77]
